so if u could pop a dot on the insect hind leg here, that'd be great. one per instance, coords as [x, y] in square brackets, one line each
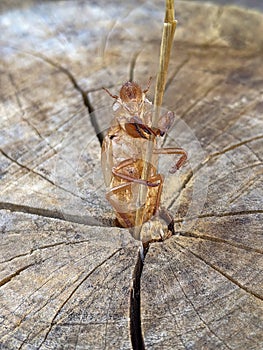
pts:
[117, 207]
[119, 171]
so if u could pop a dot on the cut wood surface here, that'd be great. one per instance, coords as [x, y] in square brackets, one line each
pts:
[66, 270]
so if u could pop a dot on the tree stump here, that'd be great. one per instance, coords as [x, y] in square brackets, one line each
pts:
[66, 270]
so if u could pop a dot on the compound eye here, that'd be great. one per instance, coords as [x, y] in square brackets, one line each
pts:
[131, 91]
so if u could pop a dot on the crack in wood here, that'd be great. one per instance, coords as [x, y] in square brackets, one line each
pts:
[23, 166]
[230, 313]
[108, 319]
[204, 95]
[226, 175]
[84, 94]
[55, 294]
[225, 150]
[245, 187]
[107, 313]
[135, 329]
[234, 146]
[20, 106]
[137, 274]
[15, 257]
[224, 274]
[176, 71]
[52, 323]
[208, 237]
[17, 175]
[193, 172]
[219, 215]
[77, 336]
[47, 246]
[135, 302]
[33, 104]
[184, 184]
[37, 310]
[178, 334]
[19, 322]
[16, 273]
[230, 123]
[196, 310]
[53, 214]
[25, 341]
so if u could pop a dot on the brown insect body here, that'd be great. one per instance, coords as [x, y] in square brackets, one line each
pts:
[123, 153]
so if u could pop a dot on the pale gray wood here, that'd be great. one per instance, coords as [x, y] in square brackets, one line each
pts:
[63, 285]
[65, 269]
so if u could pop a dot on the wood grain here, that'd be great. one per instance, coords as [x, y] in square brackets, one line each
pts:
[66, 270]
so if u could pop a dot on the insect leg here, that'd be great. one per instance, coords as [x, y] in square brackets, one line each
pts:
[137, 129]
[154, 179]
[166, 122]
[174, 150]
[117, 171]
[116, 205]
[164, 213]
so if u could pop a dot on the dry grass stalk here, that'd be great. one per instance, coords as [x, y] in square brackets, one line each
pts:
[169, 27]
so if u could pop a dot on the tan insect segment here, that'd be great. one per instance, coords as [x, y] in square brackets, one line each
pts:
[123, 155]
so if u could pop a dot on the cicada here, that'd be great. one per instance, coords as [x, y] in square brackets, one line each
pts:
[123, 154]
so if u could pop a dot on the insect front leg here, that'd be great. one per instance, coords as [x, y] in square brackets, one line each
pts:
[174, 150]
[137, 129]
[165, 122]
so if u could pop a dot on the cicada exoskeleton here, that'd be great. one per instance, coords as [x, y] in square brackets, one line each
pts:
[123, 155]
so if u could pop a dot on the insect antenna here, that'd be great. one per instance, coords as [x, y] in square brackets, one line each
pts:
[109, 93]
[148, 85]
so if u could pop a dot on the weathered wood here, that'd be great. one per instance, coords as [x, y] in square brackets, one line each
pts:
[65, 269]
